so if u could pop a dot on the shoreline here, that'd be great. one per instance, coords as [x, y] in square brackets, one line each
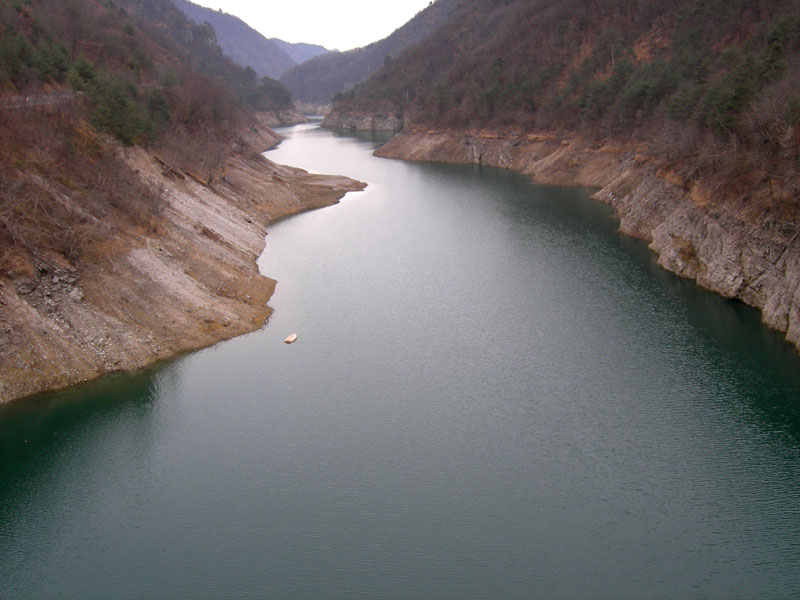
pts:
[145, 298]
[726, 245]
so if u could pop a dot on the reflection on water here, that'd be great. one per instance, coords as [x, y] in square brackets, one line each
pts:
[34, 432]
[493, 395]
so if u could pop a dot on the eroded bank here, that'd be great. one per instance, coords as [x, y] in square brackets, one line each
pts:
[740, 247]
[143, 297]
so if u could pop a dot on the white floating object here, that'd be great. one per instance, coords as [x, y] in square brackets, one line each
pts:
[290, 339]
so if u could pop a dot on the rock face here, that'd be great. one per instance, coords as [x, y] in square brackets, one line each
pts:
[141, 299]
[723, 244]
[286, 116]
[362, 122]
[290, 116]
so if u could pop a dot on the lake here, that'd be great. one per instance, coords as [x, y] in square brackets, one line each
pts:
[493, 395]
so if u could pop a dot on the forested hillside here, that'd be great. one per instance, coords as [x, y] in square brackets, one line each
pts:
[685, 113]
[674, 71]
[133, 193]
[246, 46]
[299, 52]
[135, 70]
[319, 78]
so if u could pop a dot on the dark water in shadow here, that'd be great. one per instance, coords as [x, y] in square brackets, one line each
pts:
[494, 395]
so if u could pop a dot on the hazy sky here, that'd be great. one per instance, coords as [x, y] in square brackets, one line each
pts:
[340, 25]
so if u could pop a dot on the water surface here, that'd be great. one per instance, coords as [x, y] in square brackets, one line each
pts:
[493, 395]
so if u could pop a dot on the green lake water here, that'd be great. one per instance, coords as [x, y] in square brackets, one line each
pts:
[493, 395]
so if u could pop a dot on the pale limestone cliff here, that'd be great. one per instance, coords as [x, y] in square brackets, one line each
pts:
[362, 121]
[141, 298]
[286, 116]
[732, 246]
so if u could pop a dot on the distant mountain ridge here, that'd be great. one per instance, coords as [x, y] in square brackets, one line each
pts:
[299, 52]
[544, 64]
[318, 79]
[246, 46]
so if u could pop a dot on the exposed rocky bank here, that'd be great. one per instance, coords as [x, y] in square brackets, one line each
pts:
[733, 246]
[362, 121]
[143, 298]
[286, 116]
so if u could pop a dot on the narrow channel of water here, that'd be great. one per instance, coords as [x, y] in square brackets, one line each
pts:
[493, 395]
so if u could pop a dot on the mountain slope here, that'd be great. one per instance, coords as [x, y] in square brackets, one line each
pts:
[246, 46]
[140, 74]
[133, 195]
[299, 52]
[609, 64]
[685, 112]
[318, 79]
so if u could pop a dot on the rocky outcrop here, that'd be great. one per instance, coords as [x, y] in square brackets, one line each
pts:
[317, 109]
[291, 116]
[722, 246]
[728, 245]
[285, 116]
[362, 121]
[146, 296]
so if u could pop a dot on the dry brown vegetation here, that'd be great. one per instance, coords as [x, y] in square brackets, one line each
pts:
[144, 75]
[712, 87]
[62, 189]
